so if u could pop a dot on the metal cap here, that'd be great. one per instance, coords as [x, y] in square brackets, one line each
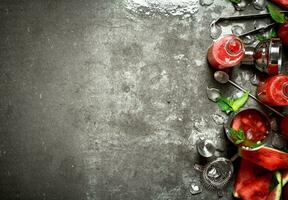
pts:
[248, 58]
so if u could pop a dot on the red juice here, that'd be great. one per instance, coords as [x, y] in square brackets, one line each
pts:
[226, 52]
[254, 125]
[274, 90]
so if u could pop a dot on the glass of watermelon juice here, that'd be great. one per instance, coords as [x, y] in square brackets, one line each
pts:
[248, 128]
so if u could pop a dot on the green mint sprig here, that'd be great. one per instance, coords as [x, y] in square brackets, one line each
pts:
[275, 14]
[228, 104]
[271, 34]
[237, 135]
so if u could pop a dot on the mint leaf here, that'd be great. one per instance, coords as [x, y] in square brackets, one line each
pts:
[239, 102]
[227, 104]
[237, 136]
[271, 34]
[276, 15]
[224, 105]
[240, 134]
[261, 38]
[239, 141]
[235, 1]
[255, 145]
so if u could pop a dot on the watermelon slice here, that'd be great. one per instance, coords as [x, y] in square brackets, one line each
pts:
[276, 184]
[247, 172]
[284, 174]
[285, 193]
[256, 189]
[266, 157]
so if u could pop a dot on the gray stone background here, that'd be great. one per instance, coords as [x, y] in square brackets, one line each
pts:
[99, 102]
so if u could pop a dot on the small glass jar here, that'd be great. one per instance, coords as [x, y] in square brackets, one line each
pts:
[255, 125]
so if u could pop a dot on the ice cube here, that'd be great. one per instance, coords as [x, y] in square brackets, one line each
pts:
[254, 80]
[206, 2]
[215, 31]
[213, 173]
[259, 4]
[195, 188]
[237, 30]
[241, 6]
[213, 94]
[248, 39]
[219, 119]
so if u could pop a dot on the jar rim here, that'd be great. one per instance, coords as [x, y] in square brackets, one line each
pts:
[228, 49]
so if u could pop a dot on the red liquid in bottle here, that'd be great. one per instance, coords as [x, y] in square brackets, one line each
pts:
[274, 90]
[254, 125]
[226, 52]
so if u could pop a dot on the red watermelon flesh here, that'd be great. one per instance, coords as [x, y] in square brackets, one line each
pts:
[266, 157]
[247, 172]
[256, 189]
[275, 194]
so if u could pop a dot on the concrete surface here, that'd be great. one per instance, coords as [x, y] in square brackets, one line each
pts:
[98, 102]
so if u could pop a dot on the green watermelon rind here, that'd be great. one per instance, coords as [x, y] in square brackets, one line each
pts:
[284, 178]
[263, 156]
[278, 189]
[236, 195]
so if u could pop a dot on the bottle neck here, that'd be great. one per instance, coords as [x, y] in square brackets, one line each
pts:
[248, 58]
[285, 89]
[234, 47]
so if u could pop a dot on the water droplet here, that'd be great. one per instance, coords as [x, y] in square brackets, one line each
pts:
[213, 94]
[259, 4]
[248, 39]
[241, 6]
[219, 119]
[215, 31]
[195, 188]
[237, 30]
[254, 80]
[206, 2]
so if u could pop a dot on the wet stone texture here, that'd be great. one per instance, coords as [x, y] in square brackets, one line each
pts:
[101, 102]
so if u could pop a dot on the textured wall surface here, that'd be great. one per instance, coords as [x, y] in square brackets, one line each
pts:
[99, 102]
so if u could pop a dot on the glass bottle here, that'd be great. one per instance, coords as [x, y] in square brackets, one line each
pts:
[225, 52]
[274, 90]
